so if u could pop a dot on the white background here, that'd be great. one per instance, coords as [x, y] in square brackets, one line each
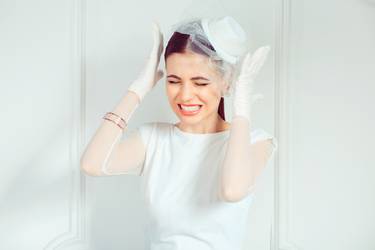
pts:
[63, 64]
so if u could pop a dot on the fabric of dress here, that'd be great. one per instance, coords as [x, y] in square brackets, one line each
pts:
[179, 183]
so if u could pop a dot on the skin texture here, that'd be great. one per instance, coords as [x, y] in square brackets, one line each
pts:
[180, 88]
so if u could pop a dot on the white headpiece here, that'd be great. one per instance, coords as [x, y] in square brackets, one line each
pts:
[226, 36]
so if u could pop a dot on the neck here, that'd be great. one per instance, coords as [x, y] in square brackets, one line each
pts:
[217, 125]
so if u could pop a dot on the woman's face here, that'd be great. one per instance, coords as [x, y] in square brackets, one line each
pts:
[191, 81]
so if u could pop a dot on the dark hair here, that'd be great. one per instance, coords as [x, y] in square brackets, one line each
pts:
[178, 43]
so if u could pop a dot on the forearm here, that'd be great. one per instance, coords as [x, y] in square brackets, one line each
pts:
[236, 171]
[107, 136]
[243, 161]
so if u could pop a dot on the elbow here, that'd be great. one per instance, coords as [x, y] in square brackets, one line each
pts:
[231, 195]
[233, 191]
[89, 172]
[89, 169]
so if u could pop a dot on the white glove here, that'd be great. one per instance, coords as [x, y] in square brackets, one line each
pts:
[149, 76]
[243, 98]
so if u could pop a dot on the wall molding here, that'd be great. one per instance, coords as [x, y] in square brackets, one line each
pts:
[280, 230]
[77, 233]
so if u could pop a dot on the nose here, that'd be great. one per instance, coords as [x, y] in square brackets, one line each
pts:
[186, 92]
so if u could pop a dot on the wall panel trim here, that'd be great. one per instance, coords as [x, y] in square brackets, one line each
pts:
[77, 234]
[280, 232]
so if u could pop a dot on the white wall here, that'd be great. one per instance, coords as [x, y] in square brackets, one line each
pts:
[39, 107]
[326, 167]
[63, 64]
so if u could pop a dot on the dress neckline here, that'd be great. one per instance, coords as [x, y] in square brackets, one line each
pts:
[184, 133]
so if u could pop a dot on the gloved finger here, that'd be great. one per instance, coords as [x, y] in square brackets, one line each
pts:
[157, 48]
[258, 59]
[245, 64]
[252, 63]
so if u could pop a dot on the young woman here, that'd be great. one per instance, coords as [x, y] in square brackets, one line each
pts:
[197, 175]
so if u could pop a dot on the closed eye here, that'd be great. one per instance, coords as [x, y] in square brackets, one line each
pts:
[199, 84]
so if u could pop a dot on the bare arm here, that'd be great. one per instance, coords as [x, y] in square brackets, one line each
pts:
[245, 158]
[106, 154]
[243, 161]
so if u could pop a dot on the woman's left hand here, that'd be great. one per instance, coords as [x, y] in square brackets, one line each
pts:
[243, 98]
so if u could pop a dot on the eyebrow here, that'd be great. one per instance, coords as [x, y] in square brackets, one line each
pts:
[193, 78]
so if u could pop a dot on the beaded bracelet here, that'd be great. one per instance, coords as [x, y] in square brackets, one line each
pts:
[116, 119]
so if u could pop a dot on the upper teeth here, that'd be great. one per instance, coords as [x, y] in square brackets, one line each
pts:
[190, 108]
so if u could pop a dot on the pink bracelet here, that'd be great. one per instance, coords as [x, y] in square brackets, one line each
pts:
[116, 119]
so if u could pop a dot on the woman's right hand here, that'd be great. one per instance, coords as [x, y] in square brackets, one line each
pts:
[150, 74]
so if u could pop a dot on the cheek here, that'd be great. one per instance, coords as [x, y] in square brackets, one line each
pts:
[211, 98]
[172, 94]
[208, 96]
[170, 91]
[212, 93]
